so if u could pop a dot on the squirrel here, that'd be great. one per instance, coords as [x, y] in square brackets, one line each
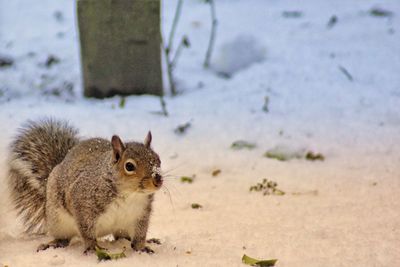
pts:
[66, 186]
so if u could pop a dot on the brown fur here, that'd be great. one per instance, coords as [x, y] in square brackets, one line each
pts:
[35, 151]
[66, 184]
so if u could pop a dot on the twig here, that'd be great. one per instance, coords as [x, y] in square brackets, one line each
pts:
[168, 48]
[163, 106]
[346, 73]
[171, 81]
[212, 35]
[174, 25]
[265, 107]
[184, 43]
[176, 56]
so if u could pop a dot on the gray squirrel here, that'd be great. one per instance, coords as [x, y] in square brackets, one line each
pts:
[66, 187]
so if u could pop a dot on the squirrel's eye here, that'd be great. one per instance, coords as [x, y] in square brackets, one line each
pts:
[130, 166]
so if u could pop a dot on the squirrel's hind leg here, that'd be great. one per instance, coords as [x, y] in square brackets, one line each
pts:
[56, 243]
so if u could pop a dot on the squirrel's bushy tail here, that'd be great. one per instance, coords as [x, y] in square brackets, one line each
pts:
[35, 151]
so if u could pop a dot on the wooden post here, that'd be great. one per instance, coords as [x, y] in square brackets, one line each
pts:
[120, 47]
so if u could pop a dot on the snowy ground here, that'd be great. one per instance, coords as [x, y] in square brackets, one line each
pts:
[344, 211]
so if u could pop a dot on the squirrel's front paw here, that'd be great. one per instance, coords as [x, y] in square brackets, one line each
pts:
[42, 247]
[147, 250]
[56, 243]
[141, 248]
[154, 241]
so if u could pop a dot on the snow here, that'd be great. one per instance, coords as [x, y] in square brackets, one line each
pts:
[343, 211]
[238, 54]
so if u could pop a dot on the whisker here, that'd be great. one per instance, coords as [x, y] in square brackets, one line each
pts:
[166, 190]
[173, 168]
[171, 176]
[172, 188]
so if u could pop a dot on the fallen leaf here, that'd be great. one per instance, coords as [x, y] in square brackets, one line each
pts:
[311, 193]
[254, 262]
[6, 62]
[380, 12]
[187, 179]
[58, 15]
[240, 144]
[292, 14]
[196, 206]
[277, 192]
[103, 255]
[332, 22]
[267, 187]
[122, 102]
[181, 129]
[51, 60]
[186, 41]
[277, 156]
[284, 153]
[216, 172]
[311, 156]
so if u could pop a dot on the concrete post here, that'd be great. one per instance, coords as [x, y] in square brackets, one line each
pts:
[120, 47]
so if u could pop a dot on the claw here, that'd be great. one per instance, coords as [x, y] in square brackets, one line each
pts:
[154, 241]
[42, 247]
[56, 243]
[147, 250]
[88, 250]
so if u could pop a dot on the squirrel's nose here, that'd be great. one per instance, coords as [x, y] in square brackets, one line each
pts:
[158, 180]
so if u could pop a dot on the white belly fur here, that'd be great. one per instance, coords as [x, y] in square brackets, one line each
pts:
[66, 226]
[122, 215]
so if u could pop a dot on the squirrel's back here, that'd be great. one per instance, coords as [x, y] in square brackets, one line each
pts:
[35, 151]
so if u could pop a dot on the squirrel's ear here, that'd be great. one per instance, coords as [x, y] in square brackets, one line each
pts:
[118, 147]
[147, 140]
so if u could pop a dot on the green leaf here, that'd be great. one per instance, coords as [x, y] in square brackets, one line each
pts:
[379, 12]
[267, 188]
[103, 255]
[240, 144]
[187, 179]
[196, 206]
[284, 153]
[274, 155]
[311, 156]
[122, 102]
[254, 262]
[277, 192]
